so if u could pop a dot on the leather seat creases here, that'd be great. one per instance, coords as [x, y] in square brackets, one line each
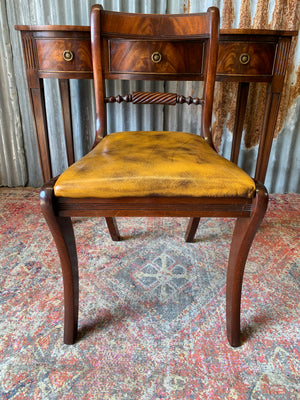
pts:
[151, 163]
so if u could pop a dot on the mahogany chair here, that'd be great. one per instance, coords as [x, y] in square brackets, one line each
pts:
[154, 173]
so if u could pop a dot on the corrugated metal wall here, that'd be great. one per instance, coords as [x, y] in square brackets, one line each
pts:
[19, 160]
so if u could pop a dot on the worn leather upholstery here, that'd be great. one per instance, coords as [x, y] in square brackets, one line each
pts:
[153, 164]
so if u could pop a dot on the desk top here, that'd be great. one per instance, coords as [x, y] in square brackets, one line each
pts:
[81, 28]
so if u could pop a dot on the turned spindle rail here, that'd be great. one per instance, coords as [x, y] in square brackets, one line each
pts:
[170, 99]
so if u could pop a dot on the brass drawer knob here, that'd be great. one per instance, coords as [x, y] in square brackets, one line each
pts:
[244, 58]
[156, 57]
[68, 55]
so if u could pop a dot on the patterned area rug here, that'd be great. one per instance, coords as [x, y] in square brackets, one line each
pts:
[152, 314]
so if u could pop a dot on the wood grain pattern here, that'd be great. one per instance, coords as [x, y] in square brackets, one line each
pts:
[132, 26]
[155, 206]
[135, 57]
[50, 54]
[261, 58]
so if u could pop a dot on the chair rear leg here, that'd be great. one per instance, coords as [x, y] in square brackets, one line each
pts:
[63, 234]
[191, 229]
[113, 228]
[243, 235]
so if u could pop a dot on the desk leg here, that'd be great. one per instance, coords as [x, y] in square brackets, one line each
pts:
[37, 100]
[241, 104]
[271, 109]
[64, 88]
[268, 128]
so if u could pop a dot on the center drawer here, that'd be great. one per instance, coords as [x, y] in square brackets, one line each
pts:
[155, 57]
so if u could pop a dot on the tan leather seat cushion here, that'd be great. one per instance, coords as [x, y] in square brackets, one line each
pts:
[153, 164]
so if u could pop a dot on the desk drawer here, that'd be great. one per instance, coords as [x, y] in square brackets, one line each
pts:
[155, 57]
[61, 55]
[246, 58]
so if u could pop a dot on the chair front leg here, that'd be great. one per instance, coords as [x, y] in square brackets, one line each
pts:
[63, 234]
[243, 235]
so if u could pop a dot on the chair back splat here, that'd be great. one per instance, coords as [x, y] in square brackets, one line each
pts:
[148, 173]
[155, 47]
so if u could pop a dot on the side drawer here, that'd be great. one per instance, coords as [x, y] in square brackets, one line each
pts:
[155, 57]
[55, 55]
[246, 58]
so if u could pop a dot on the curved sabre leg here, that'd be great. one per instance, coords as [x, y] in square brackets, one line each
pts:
[63, 234]
[243, 235]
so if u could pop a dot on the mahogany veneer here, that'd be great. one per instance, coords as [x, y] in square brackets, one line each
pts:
[167, 46]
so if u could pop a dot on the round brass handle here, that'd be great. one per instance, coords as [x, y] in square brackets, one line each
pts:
[68, 55]
[244, 58]
[156, 57]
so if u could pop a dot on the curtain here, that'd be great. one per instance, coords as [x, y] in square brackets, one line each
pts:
[13, 168]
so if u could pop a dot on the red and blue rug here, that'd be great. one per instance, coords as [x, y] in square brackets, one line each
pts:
[152, 309]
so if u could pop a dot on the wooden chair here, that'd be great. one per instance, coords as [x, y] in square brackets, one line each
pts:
[154, 173]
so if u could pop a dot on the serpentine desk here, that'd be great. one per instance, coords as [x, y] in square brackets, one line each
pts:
[63, 52]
